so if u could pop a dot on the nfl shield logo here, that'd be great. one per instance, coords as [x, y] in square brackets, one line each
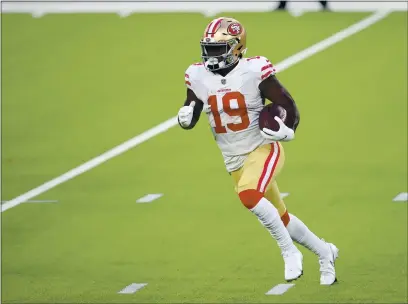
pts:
[223, 81]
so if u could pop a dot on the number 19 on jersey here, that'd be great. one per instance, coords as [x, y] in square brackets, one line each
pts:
[241, 111]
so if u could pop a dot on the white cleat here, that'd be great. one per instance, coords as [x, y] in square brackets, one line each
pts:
[293, 264]
[327, 269]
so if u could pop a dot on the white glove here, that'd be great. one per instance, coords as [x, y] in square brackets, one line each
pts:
[283, 134]
[185, 114]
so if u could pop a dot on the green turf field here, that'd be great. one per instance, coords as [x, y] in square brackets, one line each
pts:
[75, 86]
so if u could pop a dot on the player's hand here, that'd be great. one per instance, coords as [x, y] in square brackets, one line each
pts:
[185, 115]
[283, 134]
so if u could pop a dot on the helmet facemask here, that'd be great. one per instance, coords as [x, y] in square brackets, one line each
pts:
[218, 55]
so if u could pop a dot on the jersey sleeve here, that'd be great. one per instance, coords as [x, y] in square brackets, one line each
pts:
[187, 79]
[192, 78]
[191, 75]
[262, 68]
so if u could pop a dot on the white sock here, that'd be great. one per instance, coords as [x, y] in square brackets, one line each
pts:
[301, 234]
[268, 215]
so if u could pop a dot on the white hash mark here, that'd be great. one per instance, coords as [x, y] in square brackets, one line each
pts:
[132, 288]
[402, 197]
[279, 289]
[149, 198]
[285, 194]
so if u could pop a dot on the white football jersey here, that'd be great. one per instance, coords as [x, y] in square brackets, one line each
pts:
[232, 104]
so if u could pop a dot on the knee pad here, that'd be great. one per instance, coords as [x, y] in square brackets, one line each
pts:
[250, 197]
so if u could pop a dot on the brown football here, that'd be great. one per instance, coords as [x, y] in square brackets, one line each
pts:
[266, 117]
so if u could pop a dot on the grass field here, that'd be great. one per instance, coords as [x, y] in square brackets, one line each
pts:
[75, 86]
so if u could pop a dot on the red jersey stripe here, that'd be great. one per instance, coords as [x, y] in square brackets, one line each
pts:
[266, 75]
[265, 67]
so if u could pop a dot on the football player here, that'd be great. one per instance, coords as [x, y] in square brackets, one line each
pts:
[231, 90]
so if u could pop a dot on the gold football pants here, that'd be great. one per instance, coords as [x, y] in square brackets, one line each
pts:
[259, 173]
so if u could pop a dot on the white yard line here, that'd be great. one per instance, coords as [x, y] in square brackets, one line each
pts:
[36, 201]
[133, 142]
[339, 36]
[41, 201]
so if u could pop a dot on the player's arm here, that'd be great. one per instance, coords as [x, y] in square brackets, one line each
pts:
[189, 114]
[273, 90]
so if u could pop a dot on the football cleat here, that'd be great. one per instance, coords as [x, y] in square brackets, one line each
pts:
[327, 268]
[293, 265]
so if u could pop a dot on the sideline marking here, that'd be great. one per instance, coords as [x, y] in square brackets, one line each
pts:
[37, 14]
[279, 289]
[132, 288]
[164, 126]
[149, 198]
[124, 13]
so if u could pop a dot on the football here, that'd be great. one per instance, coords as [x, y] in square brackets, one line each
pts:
[266, 117]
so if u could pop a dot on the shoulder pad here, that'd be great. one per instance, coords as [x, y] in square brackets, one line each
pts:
[261, 66]
[192, 72]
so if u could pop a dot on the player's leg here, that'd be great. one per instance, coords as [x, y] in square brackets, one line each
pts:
[297, 229]
[258, 168]
[301, 234]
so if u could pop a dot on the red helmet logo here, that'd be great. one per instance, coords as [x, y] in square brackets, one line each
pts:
[234, 29]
